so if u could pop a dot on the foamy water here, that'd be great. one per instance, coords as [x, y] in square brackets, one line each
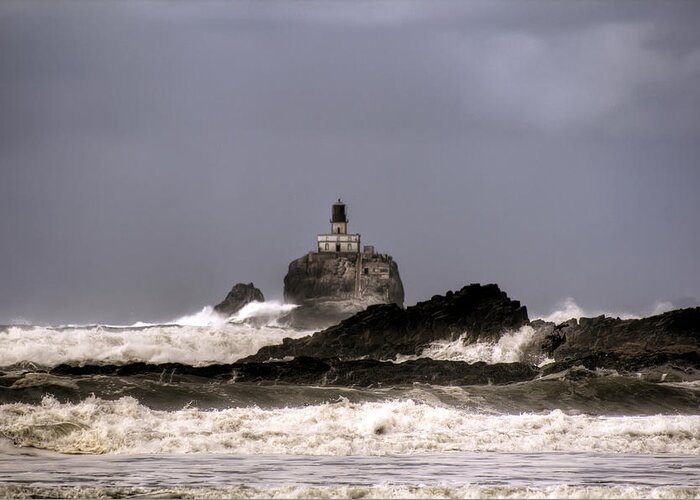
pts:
[379, 491]
[199, 339]
[342, 428]
[509, 475]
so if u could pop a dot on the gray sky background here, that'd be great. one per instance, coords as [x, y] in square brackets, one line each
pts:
[152, 154]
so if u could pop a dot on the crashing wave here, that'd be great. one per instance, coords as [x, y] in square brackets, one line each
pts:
[199, 339]
[125, 426]
[522, 345]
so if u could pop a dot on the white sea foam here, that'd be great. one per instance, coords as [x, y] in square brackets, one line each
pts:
[520, 345]
[199, 339]
[341, 428]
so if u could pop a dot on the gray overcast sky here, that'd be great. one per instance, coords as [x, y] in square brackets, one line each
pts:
[152, 154]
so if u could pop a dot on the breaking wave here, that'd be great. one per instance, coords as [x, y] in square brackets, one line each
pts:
[259, 313]
[199, 339]
[205, 317]
[124, 426]
[522, 345]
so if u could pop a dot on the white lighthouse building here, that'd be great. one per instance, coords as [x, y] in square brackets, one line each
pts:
[338, 240]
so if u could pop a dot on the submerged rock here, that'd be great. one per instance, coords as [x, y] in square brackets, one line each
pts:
[479, 312]
[239, 296]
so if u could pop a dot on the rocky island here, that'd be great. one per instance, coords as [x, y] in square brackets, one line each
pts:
[340, 278]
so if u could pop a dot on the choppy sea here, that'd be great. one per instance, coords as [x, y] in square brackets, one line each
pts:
[161, 436]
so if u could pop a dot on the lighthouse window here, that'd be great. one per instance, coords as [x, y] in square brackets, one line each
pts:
[366, 270]
[326, 246]
[349, 246]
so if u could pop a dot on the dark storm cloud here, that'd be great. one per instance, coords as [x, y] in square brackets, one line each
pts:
[154, 153]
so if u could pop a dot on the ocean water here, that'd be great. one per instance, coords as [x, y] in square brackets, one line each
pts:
[160, 436]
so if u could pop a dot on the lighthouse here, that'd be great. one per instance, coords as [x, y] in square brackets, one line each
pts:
[338, 240]
[339, 278]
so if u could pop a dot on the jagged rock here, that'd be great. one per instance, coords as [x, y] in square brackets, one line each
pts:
[330, 287]
[383, 331]
[240, 295]
[551, 335]
[669, 342]
[673, 332]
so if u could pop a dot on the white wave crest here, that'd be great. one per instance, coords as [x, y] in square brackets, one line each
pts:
[267, 313]
[520, 345]
[258, 313]
[341, 428]
[205, 317]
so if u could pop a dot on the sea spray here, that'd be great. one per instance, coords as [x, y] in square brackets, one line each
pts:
[569, 309]
[262, 313]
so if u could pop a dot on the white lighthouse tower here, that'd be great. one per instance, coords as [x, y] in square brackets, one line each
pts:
[338, 240]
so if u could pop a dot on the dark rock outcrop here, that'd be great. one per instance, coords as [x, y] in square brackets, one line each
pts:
[383, 331]
[315, 371]
[330, 287]
[319, 276]
[659, 348]
[673, 332]
[239, 296]
[671, 340]
[551, 335]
